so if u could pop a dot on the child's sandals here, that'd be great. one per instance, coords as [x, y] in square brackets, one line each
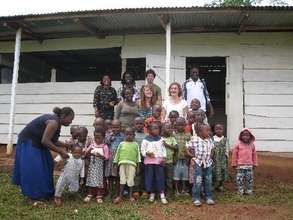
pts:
[88, 198]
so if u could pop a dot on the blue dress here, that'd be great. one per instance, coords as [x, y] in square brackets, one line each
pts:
[33, 165]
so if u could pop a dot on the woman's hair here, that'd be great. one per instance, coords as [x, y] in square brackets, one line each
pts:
[150, 71]
[103, 78]
[99, 130]
[123, 78]
[143, 97]
[65, 111]
[180, 92]
[124, 90]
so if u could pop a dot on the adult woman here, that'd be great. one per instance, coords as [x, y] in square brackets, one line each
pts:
[146, 102]
[128, 82]
[175, 102]
[33, 166]
[105, 98]
[127, 109]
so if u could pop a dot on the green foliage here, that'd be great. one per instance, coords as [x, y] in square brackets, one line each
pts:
[243, 3]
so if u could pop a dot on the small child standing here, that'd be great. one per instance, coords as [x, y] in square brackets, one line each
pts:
[155, 118]
[181, 164]
[171, 146]
[202, 147]
[98, 153]
[244, 158]
[154, 153]
[127, 157]
[194, 105]
[189, 128]
[220, 157]
[73, 170]
[173, 115]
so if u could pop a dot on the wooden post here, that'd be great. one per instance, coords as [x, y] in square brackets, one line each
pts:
[13, 91]
[168, 57]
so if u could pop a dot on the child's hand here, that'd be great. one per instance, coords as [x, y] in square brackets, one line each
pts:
[112, 103]
[151, 155]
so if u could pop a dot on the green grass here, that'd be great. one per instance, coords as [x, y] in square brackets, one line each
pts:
[14, 206]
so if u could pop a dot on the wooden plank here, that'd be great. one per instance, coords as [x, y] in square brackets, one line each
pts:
[270, 75]
[268, 62]
[273, 134]
[269, 100]
[269, 111]
[49, 98]
[252, 121]
[274, 146]
[268, 87]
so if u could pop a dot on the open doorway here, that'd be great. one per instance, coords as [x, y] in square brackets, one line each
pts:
[213, 71]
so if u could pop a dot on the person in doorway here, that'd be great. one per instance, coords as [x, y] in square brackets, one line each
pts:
[150, 76]
[195, 87]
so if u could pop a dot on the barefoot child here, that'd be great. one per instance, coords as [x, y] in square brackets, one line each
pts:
[202, 147]
[73, 170]
[98, 153]
[220, 157]
[244, 159]
[127, 157]
[154, 153]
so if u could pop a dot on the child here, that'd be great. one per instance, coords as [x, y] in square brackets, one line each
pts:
[171, 146]
[173, 115]
[201, 147]
[127, 157]
[113, 141]
[244, 158]
[139, 136]
[181, 165]
[154, 153]
[73, 169]
[190, 121]
[194, 105]
[99, 123]
[98, 153]
[155, 118]
[220, 157]
[82, 137]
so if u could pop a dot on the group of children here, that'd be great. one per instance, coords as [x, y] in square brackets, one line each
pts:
[171, 158]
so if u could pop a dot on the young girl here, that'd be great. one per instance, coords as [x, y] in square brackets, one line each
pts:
[220, 157]
[127, 157]
[244, 158]
[98, 152]
[154, 153]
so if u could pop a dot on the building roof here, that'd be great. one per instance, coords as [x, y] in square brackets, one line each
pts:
[101, 23]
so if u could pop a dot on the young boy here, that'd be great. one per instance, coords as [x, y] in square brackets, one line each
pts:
[99, 123]
[181, 165]
[190, 121]
[127, 157]
[173, 115]
[195, 105]
[200, 147]
[155, 118]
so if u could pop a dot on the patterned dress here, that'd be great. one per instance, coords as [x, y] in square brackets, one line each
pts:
[220, 159]
[102, 97]
[95, 173]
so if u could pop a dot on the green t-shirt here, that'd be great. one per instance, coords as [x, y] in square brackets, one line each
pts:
[157, 90]
[170, 153]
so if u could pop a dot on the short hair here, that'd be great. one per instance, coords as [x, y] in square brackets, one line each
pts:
[180, 92]
[175, 112]
[103, 78]
[123, 78]
[130, 128]
[150, 71]
[124, 90]
[99, 130]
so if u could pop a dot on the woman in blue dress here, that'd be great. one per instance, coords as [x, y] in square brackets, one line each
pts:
[33, 165]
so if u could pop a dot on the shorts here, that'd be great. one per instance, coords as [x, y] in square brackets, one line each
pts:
[181, 170]
[127, 174]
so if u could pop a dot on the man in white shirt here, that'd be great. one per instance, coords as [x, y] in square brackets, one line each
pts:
[195, 87]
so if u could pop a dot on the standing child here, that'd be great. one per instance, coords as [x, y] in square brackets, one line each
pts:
[173, 115]
[73, 169]
[189, 128]
[244, 158]
[98, 153]
[139, 136]
[220, 157]
[171, 146]
[127, 157]
[194, 105]
[154, 153]
[201, 148]
[181, 164]
[99, 123]
[155, 118]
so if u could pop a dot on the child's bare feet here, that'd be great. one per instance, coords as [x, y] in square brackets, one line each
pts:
[88, 198]
[117, 200]
[58, 201]
[132, 199]
[99, 200]
[136, 195]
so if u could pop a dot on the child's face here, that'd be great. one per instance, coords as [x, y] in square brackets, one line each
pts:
[166, 130]
[99, 122]
[74, 132]
[199, 117]
[154, 130]
[173, 117]
[139, 124]
[180, 125]
[246, 137]
[99, 138]
[77, 153]
[157, 112]
[204, 132]
[195, 104]
[129, 135]
[191, 118]
[116, 127]
[219, 130]
[82, 135]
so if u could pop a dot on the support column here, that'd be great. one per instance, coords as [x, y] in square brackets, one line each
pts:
[168, 56]
[13, 91]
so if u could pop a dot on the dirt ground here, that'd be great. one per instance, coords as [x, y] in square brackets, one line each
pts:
[272, 169]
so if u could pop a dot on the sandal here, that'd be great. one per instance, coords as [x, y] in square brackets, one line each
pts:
[88, 198]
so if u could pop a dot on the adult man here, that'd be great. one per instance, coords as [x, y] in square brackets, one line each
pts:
[195, 88]
[150, 75]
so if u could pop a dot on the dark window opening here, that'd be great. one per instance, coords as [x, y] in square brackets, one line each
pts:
[136, 66]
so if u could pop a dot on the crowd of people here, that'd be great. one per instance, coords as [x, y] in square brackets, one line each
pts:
[141, 146]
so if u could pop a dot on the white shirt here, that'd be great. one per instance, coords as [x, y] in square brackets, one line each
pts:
[195, 90]
[168, 106]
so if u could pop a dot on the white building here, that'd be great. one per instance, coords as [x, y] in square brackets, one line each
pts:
[245, 54]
